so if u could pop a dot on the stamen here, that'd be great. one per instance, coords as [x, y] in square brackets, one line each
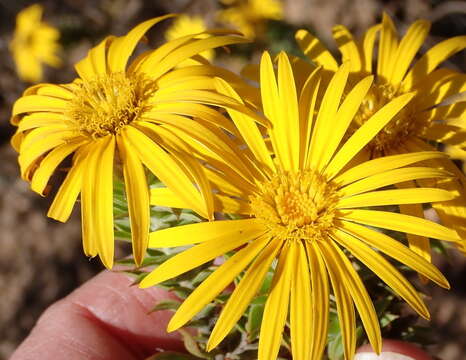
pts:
[297, 205]
[108, 103]
[405, 124]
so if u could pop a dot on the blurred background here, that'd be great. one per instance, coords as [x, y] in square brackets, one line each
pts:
[41, 260]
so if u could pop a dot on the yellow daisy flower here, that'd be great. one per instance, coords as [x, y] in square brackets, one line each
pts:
[303, 205]
[428, 118]
[186, 25]
[249, 16]
[131, 113]
[34, 43]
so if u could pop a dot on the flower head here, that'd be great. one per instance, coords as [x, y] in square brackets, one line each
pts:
[34, 43]
[131, 114]
[430, 117]
[249, 16]
[186, 25]
[303, 205]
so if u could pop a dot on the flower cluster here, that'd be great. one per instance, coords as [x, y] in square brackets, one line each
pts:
[296, 175]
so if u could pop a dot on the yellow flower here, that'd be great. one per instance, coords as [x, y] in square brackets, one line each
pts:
[249, 16]
[34, 42]
[427, 118]
[129, 113]
[188, 25]
[302, 206]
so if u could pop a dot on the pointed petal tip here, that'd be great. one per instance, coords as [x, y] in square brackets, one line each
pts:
[172, 326]
[300, 34]
[106, 261]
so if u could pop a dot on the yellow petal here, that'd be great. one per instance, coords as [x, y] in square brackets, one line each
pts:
[287, 125]
[164, 167]
[247, 128]
[65, 198]
[32, 103]
[391, 177]
[432, 58]
[95, 63]
[366, 133]
[319, 300]
[216, 282]
[323, 130]
[301, 307]
[367, 42]
[120, 51]
[37, 143]
[193, 48]
[50, 162]
[103, 200]
[307, 103]
[40, 119]
[396, 250]
[419, 244]
[347, 47]
[345, 306]
[384, 270]
[395, 197]
[208, 98]
[243, 294]
[386, 163]
[315, 50]
[137, 196]
[344, 117]
[359, 294]
[87, 199]
[409, 46]
[186, 128]
[207, 250]
[202, 232]
[196, 111]
[276, 307]
[270, 101]
[400, 222]
[166, 197]
[387, 48]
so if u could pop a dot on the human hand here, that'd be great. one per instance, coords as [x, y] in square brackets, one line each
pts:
[105, 318]
[392, 350]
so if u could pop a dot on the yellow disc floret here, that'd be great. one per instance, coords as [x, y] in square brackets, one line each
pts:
[402, 127]
[108, 103]
[296, 205]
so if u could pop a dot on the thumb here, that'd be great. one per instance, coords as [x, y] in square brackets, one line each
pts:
[105, 318]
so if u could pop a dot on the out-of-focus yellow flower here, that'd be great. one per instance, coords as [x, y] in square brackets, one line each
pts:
[131, 113]
[34, 43]
[187, 25]
[428, 118]
[302, 203]
[249, 16]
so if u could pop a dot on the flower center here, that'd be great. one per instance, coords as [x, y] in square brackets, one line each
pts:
[398, 130]
[297, 205]
[107, 103]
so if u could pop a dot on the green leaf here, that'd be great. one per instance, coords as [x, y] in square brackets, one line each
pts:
[254, 321]
[170, 355]
[166, 305]
[191, 345]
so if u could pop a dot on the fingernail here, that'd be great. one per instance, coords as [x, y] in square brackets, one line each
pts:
[386, 355]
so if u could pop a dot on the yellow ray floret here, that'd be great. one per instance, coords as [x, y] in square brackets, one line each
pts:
[433, 115]
[127, 114]
[298, 210]
[34, 43]
[249, 16]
